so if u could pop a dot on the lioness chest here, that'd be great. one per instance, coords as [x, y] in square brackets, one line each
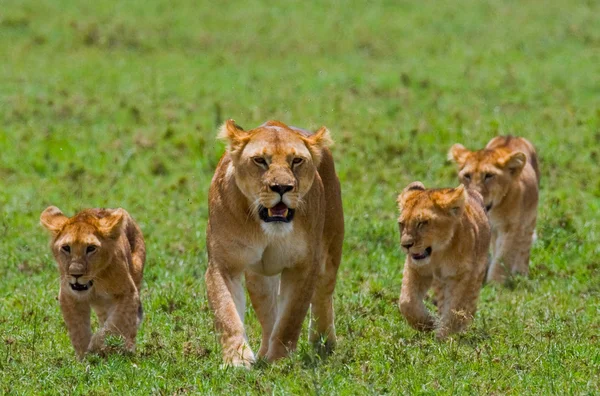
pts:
[279, 253]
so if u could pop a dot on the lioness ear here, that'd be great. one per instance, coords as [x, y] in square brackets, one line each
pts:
[111, 225]
[317, 142]
[452, 201]
[458, 153]
[234, 135]
[515, 162]
[53, 219]
[409, 191]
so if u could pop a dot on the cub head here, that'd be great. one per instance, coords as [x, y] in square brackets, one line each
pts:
[83, 244]
[274, 167]
[428, 219]
[489, 171]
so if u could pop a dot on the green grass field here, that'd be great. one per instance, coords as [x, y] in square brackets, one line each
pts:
[116, 104]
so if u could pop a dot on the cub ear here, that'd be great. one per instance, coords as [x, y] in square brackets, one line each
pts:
[409, 191]
[111, 225]
[515, 162]
[53, 219]
[234, 135]
[317, 142]
[458, 153]
[453, 200]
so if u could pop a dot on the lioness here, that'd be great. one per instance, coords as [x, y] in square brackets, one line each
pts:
[507, 176]
[446, 235]
[100, 255]
[274, 209]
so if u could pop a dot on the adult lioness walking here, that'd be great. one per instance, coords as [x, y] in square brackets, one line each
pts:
[275, 216]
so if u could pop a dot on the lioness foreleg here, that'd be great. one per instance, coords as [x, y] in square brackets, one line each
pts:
[322, 313]
[297, 287]
[263, 292]
[225, 296]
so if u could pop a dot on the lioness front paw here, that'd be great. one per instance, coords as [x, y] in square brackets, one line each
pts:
[241, 357]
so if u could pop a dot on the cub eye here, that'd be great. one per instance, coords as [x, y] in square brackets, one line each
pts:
[467, 176]
[489, 176]
[90, 249]
[297, 161]
[422, 224]
[259, 161]
[66, 248]
[401, 224]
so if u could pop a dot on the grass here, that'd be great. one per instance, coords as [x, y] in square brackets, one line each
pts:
[109, 104]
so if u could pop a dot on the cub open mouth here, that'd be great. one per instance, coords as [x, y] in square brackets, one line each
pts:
[423, 255]
[488, 207]
[279, 212]
[81, 287]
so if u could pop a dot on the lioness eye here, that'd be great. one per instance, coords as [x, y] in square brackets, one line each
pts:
[297, 161]
[90, 249]
[259, 161]
[489, 176]
[66, 248]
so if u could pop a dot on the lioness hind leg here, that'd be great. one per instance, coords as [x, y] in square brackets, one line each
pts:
[263, 292]
[225, 296]
[322, 326]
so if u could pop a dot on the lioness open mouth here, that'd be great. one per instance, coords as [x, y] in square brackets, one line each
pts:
[279, 212]
[81, 287]
[421, 256]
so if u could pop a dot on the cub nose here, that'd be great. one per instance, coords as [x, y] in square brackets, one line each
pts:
[281, 188]
[408, 245]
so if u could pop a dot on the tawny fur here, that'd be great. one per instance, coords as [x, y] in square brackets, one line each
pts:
[448, 231]
[510, 192]
[300, 258]
[106, 247]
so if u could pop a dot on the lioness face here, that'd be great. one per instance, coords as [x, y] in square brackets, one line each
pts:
[274, 167]
[427, 219]
[82, 245]
[490, 172]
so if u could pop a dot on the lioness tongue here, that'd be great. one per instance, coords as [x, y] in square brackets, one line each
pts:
[279, 210]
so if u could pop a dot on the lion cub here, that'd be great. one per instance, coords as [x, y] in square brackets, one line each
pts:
[506, 174]
[446, 235]
[100, 255]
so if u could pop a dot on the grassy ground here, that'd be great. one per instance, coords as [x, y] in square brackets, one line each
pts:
[116, 104]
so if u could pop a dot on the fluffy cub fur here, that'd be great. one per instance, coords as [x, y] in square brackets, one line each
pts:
[100, 255]
[506, 174]
[446, 235]
[275, 218]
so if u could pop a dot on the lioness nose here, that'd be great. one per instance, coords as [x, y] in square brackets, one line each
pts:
[408, 245]
[281, 188]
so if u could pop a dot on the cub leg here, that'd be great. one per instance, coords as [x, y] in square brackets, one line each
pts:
[76, 314]
[511, 254]
[462, 295]
[414, 289]
[322, 313]
[263, 292]
[226, 297]
[121, 321]
[297, 288]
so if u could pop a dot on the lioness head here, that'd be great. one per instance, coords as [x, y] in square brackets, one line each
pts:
[428, 219]
[488, 171]
[274, 167]
[83, 244]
